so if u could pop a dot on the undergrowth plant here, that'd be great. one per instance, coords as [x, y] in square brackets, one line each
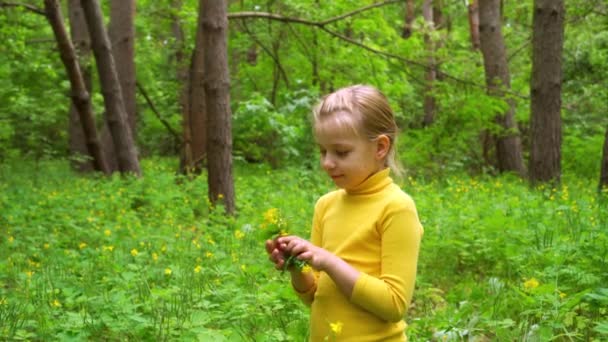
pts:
[121, 258]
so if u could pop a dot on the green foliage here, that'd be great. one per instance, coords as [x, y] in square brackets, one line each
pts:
[263, 134]
[151, 259]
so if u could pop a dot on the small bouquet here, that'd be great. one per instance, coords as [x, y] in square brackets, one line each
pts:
[274, 226]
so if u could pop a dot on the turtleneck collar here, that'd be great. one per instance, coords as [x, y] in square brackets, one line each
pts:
[372, 184]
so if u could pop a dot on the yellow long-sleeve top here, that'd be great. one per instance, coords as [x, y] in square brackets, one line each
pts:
[374, 228]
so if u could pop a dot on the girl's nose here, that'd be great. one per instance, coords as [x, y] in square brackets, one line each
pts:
[327, 162]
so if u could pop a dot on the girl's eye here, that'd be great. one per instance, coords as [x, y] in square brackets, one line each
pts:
[342, 153]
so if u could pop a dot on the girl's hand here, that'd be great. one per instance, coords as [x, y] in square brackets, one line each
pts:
[275, 253]
[316, 257]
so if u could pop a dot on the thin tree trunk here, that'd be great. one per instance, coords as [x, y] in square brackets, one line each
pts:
[217, 95]
[80, 96]
[195, 119]
[431, 72]
[183, 79]
[116, 115]
[508, 143]
[122, 36]
[121, 31]
[604, 170]
[409, 19]
[546, 91]
[82, 46]
[474, 23]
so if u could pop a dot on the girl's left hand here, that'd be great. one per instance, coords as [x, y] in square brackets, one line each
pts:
[316, 257]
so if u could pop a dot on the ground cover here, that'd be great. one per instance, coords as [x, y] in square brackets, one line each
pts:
[87, 257]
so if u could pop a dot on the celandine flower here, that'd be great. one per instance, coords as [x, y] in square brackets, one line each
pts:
[336, 328]
[531, 283]
[306, 269]
[134, 252]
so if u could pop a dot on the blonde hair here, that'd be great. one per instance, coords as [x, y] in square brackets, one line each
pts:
[366, 112]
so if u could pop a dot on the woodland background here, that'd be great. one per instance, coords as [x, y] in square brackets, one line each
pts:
[144, 144]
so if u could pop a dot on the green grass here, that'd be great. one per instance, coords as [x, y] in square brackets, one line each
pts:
[119, 258]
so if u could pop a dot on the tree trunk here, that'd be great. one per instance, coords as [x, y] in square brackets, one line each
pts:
[122, 36]
[409, 19]
[82, 45]
[217, 95]
[80, 96]
[546, 88]
[508, 143]
[116, 115]
[195, 117]
[431, 72]
[604, 170]
[181, 68]
[474, 23]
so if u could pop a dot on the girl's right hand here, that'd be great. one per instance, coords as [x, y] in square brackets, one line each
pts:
[275, 253]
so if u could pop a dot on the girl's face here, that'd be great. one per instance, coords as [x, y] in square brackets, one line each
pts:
[348, 158]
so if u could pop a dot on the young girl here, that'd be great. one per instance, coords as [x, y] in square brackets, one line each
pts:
[366, 235]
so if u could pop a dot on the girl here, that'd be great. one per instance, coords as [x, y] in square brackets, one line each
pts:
[366, 235]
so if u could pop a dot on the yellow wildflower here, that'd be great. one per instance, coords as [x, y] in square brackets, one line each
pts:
[562, 295]
[11, 239]
[243, 267]
[56, 303]
[306, 269]
[168, 271]
[154, 256]
[198, 269]
[46, 246]
[107, 232]
[107, 248]
[209, 255]
[238, 234]
[531, 283]
[29, 273]
[336, 328]
[134, 252]
[82, 245]
[271, 216]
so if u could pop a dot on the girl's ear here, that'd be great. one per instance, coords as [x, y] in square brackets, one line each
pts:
[383, 145]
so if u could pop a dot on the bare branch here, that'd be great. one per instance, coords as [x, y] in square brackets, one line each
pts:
[28, 7]
[321, 25]
[143, 91]
[272, 16]
[357, 11]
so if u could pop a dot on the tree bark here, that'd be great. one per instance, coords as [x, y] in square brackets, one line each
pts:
[546, 88]
[217, 96]
[195, 112]
[409, 19]
[122, 36]
[431, 72]
[508, 143]
[604, 170]
[80, 96]
[473, 10]
[82, 45]
[116, 116]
